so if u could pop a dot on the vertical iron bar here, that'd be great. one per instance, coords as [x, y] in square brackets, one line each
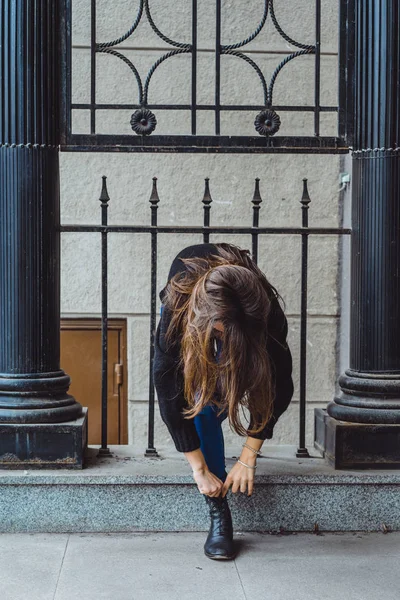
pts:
[350, 68]
[256, 219]
[317, 108]
[305, 201]
[104, 199]
[346, 70]
[343, 58]
[66, 49]
[154, 200]
[207, 207]
[93, 68]
[194, 66]
[218, 69]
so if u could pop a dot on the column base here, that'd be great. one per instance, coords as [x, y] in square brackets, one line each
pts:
[346, 445]
[44, 445]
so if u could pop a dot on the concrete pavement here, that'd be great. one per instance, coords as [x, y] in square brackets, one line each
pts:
[168, 566]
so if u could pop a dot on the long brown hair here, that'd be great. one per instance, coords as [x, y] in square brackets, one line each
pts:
[231, 289]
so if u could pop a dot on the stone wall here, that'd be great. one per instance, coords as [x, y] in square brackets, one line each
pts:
[181, 184]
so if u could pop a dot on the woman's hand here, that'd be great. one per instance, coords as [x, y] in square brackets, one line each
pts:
[207, 483]
[241, 477]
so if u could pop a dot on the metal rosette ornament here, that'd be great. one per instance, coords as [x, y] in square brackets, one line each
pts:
[143, 121]
[267, 122]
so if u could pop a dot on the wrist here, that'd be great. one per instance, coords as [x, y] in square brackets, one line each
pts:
[253, 444]
[248, 456]
[197, 461]
[201, 469]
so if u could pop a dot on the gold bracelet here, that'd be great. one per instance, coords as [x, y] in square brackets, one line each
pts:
[244, 464]
[258, 452]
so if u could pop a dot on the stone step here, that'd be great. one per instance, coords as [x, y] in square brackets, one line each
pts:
[129, 492]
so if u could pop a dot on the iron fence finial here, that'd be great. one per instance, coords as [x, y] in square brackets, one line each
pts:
[305, 199]
[154, 197]
[104, 197]
[257, 196]
[207, 194]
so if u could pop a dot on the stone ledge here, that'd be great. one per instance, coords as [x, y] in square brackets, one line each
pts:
[128, 465]
[128, 492]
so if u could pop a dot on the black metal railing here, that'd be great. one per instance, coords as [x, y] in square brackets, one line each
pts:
[206, 229]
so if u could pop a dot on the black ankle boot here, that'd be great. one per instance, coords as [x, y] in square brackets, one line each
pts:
[219, 543]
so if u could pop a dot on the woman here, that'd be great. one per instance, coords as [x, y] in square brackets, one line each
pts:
[220, 349]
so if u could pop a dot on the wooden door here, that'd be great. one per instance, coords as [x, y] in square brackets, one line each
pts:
[81, 359]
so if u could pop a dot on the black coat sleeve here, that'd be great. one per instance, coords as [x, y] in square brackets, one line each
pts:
[281, 367]
[168, 381]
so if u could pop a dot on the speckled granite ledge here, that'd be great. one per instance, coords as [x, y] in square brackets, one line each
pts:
[128, 492]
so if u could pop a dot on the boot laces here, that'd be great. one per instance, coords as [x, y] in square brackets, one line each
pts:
[223, 524]
[224, 527]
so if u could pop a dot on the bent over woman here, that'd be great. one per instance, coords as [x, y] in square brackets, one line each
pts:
[220, 347]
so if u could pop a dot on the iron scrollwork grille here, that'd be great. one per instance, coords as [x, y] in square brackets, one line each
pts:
[142, 129]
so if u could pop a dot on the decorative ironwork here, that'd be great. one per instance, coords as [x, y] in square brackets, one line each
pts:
[144, 88]
[143, 121]
[267, 122]
[264, 125]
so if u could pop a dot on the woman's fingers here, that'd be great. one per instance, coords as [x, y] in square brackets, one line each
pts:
[226, 486]
[222, 489]
[217, 488]
[240, 480]
[213, 490]
[208, 483]
[214, 493]
[235, 486]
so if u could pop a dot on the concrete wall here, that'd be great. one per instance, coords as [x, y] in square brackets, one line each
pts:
[181, 183]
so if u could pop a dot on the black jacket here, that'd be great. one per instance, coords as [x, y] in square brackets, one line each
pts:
[168, 376]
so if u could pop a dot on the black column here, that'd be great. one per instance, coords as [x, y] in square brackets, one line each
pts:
[34, 399]
[363, 426]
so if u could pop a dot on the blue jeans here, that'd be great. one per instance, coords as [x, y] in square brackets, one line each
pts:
[209, 429]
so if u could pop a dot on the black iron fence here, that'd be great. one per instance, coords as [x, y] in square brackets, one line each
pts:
[206, 229]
